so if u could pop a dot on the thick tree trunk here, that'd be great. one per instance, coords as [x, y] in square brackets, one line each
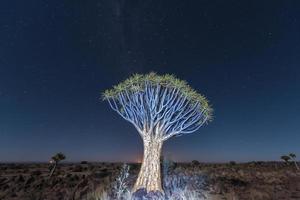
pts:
[149, 176]
[296, 165]
[53, 169]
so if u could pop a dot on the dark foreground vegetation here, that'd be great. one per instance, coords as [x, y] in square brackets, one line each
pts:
[254, 181]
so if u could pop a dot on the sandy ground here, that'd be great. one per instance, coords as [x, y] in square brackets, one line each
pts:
[254, 181]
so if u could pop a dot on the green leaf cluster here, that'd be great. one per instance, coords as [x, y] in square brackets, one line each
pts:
[58, 157]
[137, 83]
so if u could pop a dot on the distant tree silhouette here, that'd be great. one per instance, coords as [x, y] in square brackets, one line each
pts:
[56, 159]
[293, 158]
[195, 162]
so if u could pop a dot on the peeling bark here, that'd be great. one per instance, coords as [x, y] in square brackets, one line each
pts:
[149, 176]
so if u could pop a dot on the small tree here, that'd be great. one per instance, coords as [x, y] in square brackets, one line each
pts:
[56, 159]
[293, 158]
[159, 107]
[195, 163]
[285, 158]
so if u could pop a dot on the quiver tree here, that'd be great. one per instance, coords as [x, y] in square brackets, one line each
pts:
[56, 159]
[159, 107]
[286, 159]
[293, 158]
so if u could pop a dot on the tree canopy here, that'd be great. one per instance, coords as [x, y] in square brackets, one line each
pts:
[58, 157]
[138, 82]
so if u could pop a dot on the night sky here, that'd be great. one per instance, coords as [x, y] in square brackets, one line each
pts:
[57, 56]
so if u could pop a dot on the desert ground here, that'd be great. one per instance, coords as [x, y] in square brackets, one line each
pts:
[74, 181]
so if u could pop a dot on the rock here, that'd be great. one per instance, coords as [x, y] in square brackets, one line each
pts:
[140, 194]
[154, 195]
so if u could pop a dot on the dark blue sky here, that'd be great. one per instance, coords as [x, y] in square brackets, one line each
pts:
[57, 56]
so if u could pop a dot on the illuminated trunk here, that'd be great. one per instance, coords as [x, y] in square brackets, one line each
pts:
[295, 162]
[149, 176]
[53, 169]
